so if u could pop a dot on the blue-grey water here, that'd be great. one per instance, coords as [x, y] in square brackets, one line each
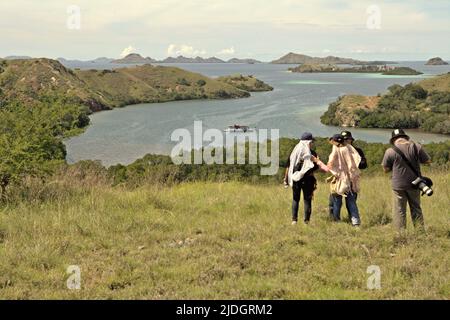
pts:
[126, 134]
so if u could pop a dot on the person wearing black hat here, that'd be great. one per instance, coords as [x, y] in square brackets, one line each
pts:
[402, 177]
[299, 175]
[344, 164]
[348, 139]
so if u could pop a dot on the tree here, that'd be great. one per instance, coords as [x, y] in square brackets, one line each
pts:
[26, 146]
[31, 138]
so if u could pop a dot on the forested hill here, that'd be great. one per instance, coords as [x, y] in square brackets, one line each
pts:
[30, 80]
[424, 105]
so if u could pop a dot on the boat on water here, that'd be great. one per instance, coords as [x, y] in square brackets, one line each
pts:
[239, 128]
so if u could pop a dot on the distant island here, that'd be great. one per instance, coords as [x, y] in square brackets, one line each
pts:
[32, 80]
[181, 59]
[137, 59]
[295, 58]
[331, 68]
[65, 62]
[248, 61]
[134, 58]
[424, 105]
[437, 61]
[17, 57]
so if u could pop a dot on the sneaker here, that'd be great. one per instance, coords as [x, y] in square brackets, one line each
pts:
[355, 221]
[294, 223]
[306, 222]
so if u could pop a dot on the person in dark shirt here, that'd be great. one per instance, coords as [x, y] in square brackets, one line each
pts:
[348, 138]
[307, 184]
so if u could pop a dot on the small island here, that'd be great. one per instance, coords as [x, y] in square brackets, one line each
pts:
[437, 61]
[246, 83]
[331, 68]
[296, 58]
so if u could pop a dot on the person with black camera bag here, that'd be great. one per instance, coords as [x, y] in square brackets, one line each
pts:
[404, 159]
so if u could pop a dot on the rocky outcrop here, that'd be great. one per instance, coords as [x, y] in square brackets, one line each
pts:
[344, 111]
[437, 61]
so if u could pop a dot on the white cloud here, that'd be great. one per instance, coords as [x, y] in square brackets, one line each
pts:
[184, 50]
[127, 51]
[227, 51]
[413, 26]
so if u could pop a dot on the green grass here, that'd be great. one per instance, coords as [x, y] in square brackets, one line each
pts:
[219, 240]
[438, 83]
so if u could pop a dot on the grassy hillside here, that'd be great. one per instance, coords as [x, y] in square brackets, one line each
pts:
[440, 83]
[28, 81]
[216, 240]
[33, 79]
[424, 105]
[149, 83]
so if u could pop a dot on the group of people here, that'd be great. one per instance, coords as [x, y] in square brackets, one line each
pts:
[345, 164]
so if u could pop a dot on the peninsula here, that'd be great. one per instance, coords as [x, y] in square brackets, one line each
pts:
[423, 105]
[28, 80]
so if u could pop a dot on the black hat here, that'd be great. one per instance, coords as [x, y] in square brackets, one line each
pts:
[307, 136]
[398, 133]
[337, 138]
[347, 135]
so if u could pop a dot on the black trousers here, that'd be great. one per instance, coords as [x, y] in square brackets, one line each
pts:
[307, 185]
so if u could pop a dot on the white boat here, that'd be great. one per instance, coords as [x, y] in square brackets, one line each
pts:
[239, 128]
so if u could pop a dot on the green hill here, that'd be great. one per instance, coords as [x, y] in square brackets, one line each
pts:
[424, 105]
[149, 83]
[30, 80]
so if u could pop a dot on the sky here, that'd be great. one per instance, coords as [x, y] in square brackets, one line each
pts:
[261, 29]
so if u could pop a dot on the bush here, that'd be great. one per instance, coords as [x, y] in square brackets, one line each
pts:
[201, 83]
[183, 82]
